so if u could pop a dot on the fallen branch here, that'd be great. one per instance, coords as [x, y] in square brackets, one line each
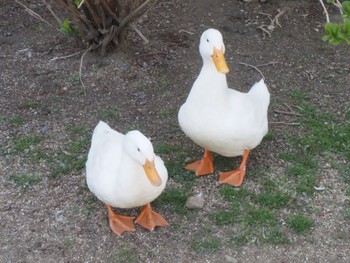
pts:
[254, 67]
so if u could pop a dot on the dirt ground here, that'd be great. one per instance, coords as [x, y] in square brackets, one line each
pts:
[59, 220]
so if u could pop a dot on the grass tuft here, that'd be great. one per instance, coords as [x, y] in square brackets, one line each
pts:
[174, 198]
[25, 181]
[206, 245]
[21, 144]
[300, 224]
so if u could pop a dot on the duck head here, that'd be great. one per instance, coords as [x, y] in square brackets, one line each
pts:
[141, 150]
[212, 49]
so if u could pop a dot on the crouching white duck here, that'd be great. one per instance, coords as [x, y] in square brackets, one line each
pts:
[220, 119]
[123, 172]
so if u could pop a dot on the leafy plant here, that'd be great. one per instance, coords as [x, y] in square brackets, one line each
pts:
[337, 33]
[67, 28]
[104, 23]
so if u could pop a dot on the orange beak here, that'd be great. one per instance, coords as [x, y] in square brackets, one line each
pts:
[219, 61]
[152, 174]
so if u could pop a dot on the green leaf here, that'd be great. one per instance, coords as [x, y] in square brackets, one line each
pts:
[346, 8]
[346, 27]
[77, 2]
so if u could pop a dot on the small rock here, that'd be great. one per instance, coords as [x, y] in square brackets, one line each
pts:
[44, 130]
[230, 259]
[59, 216]
[195, 202]
[188, 160]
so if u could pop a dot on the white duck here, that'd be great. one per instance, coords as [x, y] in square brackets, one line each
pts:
[123, 172]
[220, 119]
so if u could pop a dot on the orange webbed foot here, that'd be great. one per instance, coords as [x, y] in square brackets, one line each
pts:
[119, 223]
[149, 219]
[234, 178]
[203, 166]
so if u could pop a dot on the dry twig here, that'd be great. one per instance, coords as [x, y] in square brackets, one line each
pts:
[32, 13]
[254, 67]
[268, 29]
[81, 67]
[68, 56]
[288, 113]
[285, 123]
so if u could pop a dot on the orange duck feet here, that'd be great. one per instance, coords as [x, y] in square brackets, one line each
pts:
[203, 166]
[119, 223]
[150, 219]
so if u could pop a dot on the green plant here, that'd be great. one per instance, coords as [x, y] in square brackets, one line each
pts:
[206, 244]
[72, 159]
[67, 28]
[260, 216]
[17, 120]
[126, 255]
[337, 33]
[174, 198]
[232, 216]
[24, 181]
[273, 199]
[102, 24]
[275, 236]
[21, 144]
[109, 113]
[300, 224]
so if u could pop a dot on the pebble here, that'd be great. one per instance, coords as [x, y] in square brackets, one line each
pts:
[195, 202]
[230, 259]
[44, 130]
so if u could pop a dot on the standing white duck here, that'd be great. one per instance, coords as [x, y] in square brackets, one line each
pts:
[220, 119]
[123, 172]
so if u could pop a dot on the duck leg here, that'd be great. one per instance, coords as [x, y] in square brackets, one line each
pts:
[235, 177]
[119, 223]
[203, 166]
[150, 219]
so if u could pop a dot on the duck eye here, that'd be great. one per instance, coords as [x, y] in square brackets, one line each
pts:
[138, 149]
[208, 40]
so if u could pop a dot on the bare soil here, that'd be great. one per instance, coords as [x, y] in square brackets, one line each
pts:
[59, 220]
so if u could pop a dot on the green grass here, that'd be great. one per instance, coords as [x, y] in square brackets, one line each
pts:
[174, 199]
[17, 120]
[207, 244]
[126, 255]
[229, 217]
[23, 143]
[346, 214]
[300, 224]
[68, 242]
[25, 181]
[109, 113]
[30, 104]
[257, 216]
[275, 199]
[276, 237]
[230, 193]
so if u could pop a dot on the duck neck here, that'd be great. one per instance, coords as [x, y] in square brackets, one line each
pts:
[212, 80]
